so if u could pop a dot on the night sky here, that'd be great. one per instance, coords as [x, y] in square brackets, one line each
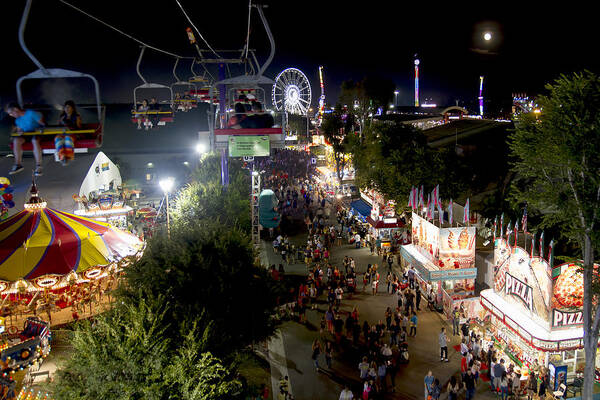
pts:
[532, 44]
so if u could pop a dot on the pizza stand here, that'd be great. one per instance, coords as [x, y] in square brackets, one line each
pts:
[536, 310]
[443, 258]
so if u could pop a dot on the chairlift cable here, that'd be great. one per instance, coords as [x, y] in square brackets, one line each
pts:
[196, 29]
[248, 32]
[121, 32]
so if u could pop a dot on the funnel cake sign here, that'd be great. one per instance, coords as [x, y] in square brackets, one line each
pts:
[447, 248]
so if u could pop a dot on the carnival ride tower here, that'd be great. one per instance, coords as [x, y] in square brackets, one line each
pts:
[417, 62]
[481, 95]
[322, 98]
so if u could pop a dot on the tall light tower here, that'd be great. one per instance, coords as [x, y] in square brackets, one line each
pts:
[322, 98]
[481, 95]
[417, 62]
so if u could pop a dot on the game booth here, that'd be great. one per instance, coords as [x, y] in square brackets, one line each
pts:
[444, 260]
[536, 312]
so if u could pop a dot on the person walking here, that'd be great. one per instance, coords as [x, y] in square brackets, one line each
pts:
[381, 373]
[316, 350]
[532, 386]
[413, 325]
[363, 368]
[388, 318]
[346, 394]
[499, 370]
[428, 381]
[455, 321]
[411, 277]
[469, 384]
[504, 386]
[328, 353]
[418, 297]
[436, 390]
[453, 388]
[443, 342]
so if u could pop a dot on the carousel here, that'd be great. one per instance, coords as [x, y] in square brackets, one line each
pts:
[58, 265]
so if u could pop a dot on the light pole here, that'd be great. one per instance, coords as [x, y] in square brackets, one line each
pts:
[396, 93]
[166, 185]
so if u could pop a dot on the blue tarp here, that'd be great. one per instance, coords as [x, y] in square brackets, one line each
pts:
[361, 207]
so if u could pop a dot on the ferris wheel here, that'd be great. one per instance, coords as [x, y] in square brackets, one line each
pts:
[291, 92]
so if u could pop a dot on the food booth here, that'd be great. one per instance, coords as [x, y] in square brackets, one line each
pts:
[444, 260]
[536, 312]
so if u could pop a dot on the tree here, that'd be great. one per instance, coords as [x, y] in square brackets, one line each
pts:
[364, 98]
[206, 199]
[558, 172]
[207, 275]
[394, 157]
[127, 354]
[335, 128]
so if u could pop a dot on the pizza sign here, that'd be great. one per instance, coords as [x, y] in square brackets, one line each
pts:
[516, 287]
[562, 318]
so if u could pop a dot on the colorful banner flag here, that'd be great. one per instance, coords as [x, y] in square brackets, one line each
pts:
[421, 199]
[516, 233]
[508, 230]
[542, 245]
[524, 219]
[466, 213]
[502, 225]
[533, 245]
[551, 254]
[410, 197]
[495, 226]
[428, 206]
[436, 195]
[450, 214]
[440, 214]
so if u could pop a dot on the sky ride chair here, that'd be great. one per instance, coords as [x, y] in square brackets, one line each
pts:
[203, 84]
[90, 135]
[158, 117]
[180, 102]
[229, 93]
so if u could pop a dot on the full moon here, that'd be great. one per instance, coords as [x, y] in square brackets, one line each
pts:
[487, 36]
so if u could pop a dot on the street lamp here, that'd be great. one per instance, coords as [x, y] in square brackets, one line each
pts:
[166, 185]
[201, 148]
[487, 36]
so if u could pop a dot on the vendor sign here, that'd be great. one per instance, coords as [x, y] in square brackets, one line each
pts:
[447, 248]
[257, 146]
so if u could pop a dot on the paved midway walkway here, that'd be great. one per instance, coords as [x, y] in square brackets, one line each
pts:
[290, 349]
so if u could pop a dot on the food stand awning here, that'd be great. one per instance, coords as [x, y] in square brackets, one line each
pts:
[382, 224]
[530, 331]
[361, 207]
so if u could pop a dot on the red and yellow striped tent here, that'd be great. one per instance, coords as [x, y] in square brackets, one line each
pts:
[41, 241]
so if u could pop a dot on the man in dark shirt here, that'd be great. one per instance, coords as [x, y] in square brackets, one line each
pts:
[469, 383]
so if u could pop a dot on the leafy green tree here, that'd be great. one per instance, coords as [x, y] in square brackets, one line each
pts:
[394, 157]
[205, 199]
[558, 173]
[207, 275]
[127, 354]
[335, 128]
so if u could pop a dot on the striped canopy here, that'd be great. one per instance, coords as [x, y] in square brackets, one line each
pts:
[39, 242]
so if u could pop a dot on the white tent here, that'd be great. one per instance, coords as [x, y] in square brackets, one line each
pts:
[101, 176]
